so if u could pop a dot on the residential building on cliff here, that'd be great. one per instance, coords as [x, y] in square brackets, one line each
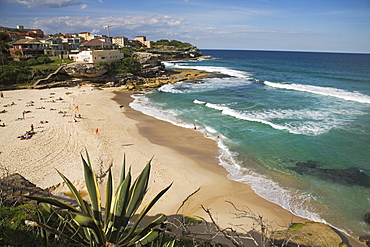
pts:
[143, 41]
[27, 48]
[84, 35]
[54, 47]
[120, 41]
[96, 56]
[73, 43]
[95, 44]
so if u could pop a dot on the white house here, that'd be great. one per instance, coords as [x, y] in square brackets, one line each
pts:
[96, 56]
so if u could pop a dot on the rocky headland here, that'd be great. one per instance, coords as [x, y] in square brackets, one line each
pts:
[153, 73]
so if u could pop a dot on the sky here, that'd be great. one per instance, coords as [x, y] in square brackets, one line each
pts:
[287, 25]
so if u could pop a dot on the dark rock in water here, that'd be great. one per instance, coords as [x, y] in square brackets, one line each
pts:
[367, 218]
[352, 176]
[365, 239]
[308, 164]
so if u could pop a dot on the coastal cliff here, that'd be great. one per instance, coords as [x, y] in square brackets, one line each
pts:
[152, 72]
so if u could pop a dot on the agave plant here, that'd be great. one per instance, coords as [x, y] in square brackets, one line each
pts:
[89, 225]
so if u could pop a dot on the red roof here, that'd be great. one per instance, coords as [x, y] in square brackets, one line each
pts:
[95, 42]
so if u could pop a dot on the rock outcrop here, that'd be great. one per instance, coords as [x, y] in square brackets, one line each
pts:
[152, 74]
[308, 234]
[166, 53]
[14, 189]
[81, 70]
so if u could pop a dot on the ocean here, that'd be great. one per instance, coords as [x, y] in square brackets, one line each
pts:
[295, 126]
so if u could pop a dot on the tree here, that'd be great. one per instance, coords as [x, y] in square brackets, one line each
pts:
[4, 47]
[13, 74]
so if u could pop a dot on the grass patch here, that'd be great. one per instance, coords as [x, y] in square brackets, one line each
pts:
[52, 65]
[295, 226]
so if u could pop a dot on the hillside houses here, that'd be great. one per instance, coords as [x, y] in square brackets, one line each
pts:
[28, 44]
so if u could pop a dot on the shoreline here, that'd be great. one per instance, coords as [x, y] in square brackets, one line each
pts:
[213, 193]
[182, 156]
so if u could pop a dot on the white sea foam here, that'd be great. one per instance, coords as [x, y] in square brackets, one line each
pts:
[327, 91]
[213, 69]
[207, 84]
[199, 102]
[142, 104]
[293, 201]
[304, 122]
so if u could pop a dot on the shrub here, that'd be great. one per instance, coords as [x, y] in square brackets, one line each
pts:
[44, 59]
[13, 230]
[129, 65]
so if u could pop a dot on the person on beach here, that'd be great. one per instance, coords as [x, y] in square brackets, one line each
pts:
[31, 127]
[1, 95]
[23, 114]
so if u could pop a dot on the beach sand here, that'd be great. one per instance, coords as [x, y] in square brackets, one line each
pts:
[180, 156]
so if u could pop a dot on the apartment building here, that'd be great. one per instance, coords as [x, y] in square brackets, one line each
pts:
[96, 56]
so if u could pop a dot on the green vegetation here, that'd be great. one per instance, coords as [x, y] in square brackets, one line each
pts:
[20, 72]
[14, 231]
[129, 65]
[11, 74]
[295, 226]
[174, 43]
[88, 226]
[52, 64]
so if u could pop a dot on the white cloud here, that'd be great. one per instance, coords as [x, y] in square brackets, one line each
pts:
[131, 25]
[83, 6]
[47, 3]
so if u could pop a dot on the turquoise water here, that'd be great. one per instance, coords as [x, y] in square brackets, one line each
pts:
[293, 125]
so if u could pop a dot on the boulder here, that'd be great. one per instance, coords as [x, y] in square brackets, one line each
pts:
[367, 218]
[308, 234]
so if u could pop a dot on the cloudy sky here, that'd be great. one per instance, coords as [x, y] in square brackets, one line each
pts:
[290, 25]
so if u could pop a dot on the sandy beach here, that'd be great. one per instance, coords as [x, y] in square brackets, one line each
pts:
[107, 131]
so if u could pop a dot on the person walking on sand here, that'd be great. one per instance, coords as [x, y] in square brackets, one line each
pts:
[1, 95]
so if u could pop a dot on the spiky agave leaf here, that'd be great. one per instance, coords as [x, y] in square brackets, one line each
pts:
[123, 170]
[64, 222]
[119, 207]
[75, 193]
[53, 201]
[160, 219]
[137, 192]
[93, 190]
[194, 220]
[108, 198]
[51, 229]
[149, 237]
[145, 210]
[85, 220]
